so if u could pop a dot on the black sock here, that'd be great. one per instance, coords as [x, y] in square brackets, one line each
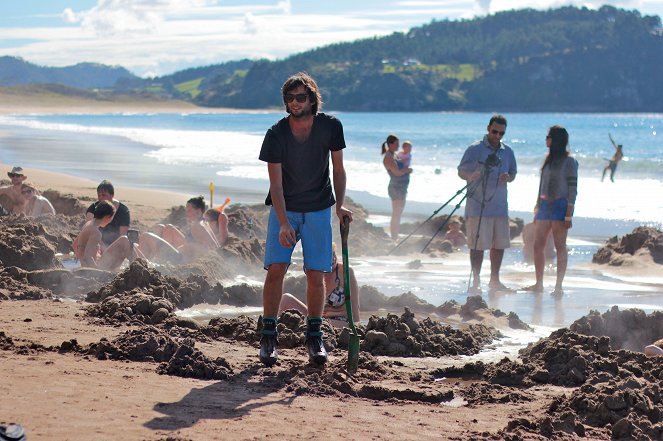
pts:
[313, 327]
[269, 326]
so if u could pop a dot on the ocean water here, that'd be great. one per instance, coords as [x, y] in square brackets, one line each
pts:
[186, 151]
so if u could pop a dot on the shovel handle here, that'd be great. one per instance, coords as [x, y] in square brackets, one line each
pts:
[345, 229]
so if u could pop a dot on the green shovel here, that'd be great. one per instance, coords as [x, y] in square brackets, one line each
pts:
[353, 345]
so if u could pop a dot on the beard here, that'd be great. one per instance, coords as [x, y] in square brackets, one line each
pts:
[301, 113]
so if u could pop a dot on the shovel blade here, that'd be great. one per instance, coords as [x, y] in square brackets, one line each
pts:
[353, 353]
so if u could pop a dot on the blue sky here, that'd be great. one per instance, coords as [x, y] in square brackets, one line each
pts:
[155, 37]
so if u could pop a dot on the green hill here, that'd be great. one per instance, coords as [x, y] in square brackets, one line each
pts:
[566, 59]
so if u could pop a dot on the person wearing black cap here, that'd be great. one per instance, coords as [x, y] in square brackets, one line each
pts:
[10, 196]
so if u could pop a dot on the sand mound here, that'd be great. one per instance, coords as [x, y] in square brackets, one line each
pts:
[618, 392]
[15, 285]
[630, 329]
[151, 344]
[643, 242]
[405, 336]
[26, 244]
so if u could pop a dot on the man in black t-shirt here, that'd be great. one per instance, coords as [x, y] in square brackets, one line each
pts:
[297, 151]
[121, 220]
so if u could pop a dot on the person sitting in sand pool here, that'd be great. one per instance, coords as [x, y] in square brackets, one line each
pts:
[11, 196]
[454, 234]
[89, 241]
[34, 204]
[218, 222]
[334, 309]
[119, 225]
[199, 240]
[654, 349]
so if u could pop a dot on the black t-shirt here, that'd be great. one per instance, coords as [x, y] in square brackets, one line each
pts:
[306, 183]
[111, 232]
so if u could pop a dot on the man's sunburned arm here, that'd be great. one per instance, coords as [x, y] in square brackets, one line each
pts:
[91, 248]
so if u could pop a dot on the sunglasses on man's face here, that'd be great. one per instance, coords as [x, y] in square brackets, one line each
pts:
[27, 192]
[14, 175]
[497, 132]
[300, 97]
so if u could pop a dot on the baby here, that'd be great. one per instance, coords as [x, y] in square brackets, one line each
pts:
[405, 156]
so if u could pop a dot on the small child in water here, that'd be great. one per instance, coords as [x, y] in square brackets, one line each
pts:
[405, 156]
[454, 235]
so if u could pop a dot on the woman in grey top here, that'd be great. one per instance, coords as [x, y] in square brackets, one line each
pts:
[399, 179]
[558, 188]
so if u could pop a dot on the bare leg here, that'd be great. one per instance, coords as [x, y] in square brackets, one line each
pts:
[560, 232]
[604, 171]
[115, 254]
[315, 292]
[288, 301]
[397, 208]
[496, 257]
[542, 231]
[476, 259]
[173, 236]
[156, 248]
[273, 289]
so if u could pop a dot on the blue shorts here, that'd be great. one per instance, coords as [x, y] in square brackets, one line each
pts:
[552, 211]
[315, 231]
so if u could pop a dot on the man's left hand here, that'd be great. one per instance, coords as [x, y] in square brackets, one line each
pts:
[342, 212]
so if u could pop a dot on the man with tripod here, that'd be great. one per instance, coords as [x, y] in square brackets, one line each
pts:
[488, 165]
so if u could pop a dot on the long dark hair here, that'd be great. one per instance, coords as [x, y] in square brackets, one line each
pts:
[390, 139]
[559, 140]
[198, 202]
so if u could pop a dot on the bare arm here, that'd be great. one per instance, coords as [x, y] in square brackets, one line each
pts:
[612, 140]
[287, 237]
[390, 164]
[340, 180]
[91, 247]
[204, 236]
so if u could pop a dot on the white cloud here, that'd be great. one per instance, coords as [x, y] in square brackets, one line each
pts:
[250, 24]
[69, 16]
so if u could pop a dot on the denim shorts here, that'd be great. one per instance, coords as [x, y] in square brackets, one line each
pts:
[313, 229]
[552, 210]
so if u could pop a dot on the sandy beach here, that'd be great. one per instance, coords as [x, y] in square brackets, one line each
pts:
[101, 356]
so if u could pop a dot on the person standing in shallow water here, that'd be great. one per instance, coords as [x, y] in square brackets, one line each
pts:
[488, 166]
[297, 151]
[612, 164]
[555, 203]
[399, 180]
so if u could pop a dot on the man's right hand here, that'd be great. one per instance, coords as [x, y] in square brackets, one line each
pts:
[474, 176]
[287, 236]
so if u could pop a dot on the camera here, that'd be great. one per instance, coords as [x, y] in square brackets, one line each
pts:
[493, 160]
[132, 235]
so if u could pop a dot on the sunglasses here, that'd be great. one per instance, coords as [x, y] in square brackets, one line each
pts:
[26, 191]
[300, 97]
[14, 175]
[548, 137]
[497, 132]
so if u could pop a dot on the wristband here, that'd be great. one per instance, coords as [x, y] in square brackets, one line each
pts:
[568, 218]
